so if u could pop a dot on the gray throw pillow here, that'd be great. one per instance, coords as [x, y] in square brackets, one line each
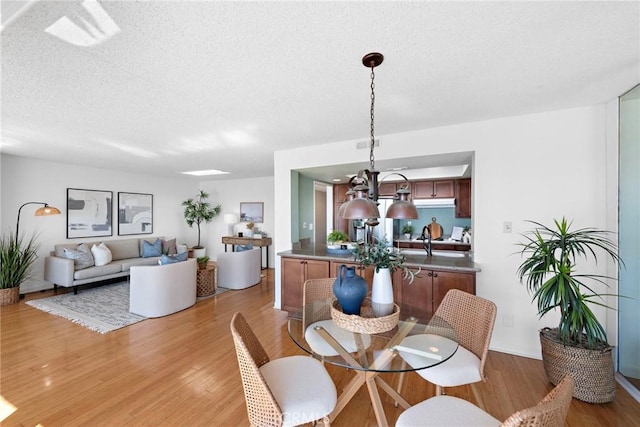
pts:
[169, 247]
[81, 256]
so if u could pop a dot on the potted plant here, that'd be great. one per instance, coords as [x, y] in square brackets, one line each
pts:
[337, 236]
[578, 345]
[16, 259]
[386, 259]
[197, 211]
[250, 226]
[407, 230]
[202, 262]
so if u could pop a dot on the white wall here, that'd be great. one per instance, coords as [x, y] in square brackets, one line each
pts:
[539, 167]
[229, 194]
[25, 180]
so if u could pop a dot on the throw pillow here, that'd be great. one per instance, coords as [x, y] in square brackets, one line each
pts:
[151, 249]
[171, 259]
[101, 254]
[81, 256]
[242, 248]
[169, 247]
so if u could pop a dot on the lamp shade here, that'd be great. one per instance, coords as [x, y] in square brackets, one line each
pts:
[360, 208]
[402, 208]
[47, 210]
[230, 218]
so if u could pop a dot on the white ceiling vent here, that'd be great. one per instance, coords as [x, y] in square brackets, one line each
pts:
[366, 144]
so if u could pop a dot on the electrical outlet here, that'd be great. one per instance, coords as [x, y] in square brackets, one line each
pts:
[304, 224]
[506, 227]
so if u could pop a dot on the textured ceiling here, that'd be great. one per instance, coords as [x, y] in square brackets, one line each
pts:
[202, 85]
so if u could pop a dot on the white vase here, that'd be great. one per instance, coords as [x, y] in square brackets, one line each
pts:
[382, 293]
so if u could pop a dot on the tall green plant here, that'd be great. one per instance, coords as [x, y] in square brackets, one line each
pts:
[197, 211]
[550, 271]
[16, 259]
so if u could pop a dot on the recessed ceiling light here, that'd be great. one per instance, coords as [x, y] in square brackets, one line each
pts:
[336, 179]
[205, 172]
[401, 168]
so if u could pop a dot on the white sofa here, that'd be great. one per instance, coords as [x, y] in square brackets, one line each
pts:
[159, 290]
[239, 270]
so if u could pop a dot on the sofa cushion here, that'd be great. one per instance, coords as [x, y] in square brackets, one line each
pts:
[126, 264]
[103, 270]
[123, 249]
[169, 247]
[101, 254]
[170, 259]
[81, 256]
[151, 249]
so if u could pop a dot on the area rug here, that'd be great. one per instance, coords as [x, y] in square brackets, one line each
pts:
[102, 309]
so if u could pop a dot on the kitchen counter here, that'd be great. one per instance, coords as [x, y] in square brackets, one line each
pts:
[463, 261]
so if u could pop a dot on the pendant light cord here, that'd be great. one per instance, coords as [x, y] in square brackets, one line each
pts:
[373, 99]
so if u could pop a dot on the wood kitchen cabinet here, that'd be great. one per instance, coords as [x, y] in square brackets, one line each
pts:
[365, 272]
[389, 189]
[422, 297]
[295, 271]
[433, 189]
[463, 198]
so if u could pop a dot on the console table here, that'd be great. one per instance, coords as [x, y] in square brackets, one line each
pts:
[262, 242]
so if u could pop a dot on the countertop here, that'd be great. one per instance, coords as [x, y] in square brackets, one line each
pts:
[438, 261]
[435, 242]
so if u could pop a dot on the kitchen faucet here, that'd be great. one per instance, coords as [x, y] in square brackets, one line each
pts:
[426, 240]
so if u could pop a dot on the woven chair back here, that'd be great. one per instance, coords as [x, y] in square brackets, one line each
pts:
[262, 408]
[472, 318]
[550, 412]
[316, 290]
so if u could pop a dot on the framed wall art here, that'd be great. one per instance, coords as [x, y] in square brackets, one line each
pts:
[135, 213]
[251, 211]
[89, 213]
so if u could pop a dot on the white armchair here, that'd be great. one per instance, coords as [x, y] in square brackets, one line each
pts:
[239, 270]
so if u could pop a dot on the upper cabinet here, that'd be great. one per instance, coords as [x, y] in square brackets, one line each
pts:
[339, 196]
[463, 198]
[441, 189]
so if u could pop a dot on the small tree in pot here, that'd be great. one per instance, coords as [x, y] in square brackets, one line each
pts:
[197, 211]
[578, 346]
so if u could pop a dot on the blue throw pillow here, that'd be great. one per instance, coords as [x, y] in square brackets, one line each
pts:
[242, 248]
[151, 249]
[171, 259]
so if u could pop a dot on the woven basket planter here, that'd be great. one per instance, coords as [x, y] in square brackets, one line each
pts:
[9, 295]
[592, 370]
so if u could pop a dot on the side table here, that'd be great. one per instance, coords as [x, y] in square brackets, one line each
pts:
[205, 280]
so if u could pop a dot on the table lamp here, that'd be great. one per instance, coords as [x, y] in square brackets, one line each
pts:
[231, 219]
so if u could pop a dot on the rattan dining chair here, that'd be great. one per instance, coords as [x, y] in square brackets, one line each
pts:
[288, 391]
[472, 319]
[445, 411]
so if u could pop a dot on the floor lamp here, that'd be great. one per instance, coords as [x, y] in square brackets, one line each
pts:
[231, 219]
[45, 210]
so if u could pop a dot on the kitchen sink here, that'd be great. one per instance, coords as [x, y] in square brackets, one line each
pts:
[449, 254]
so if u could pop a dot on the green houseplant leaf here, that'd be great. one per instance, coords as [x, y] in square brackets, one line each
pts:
[16, 258]
[197, 211]
[549, 272]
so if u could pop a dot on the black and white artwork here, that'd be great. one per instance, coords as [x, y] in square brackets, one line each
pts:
[89, 213]
[135, 213]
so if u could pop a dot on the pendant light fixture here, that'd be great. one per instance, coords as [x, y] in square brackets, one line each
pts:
[364, 202]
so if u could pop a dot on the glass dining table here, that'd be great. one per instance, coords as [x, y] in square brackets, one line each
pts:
[370, 354]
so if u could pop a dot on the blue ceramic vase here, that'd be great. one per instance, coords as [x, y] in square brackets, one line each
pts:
[350, 289]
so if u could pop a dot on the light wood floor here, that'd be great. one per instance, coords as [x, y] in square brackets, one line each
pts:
[181, 370]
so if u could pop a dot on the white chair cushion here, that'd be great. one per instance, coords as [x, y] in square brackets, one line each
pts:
[344, 337]
[461, 368]
[302, 387]
[443, 411]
